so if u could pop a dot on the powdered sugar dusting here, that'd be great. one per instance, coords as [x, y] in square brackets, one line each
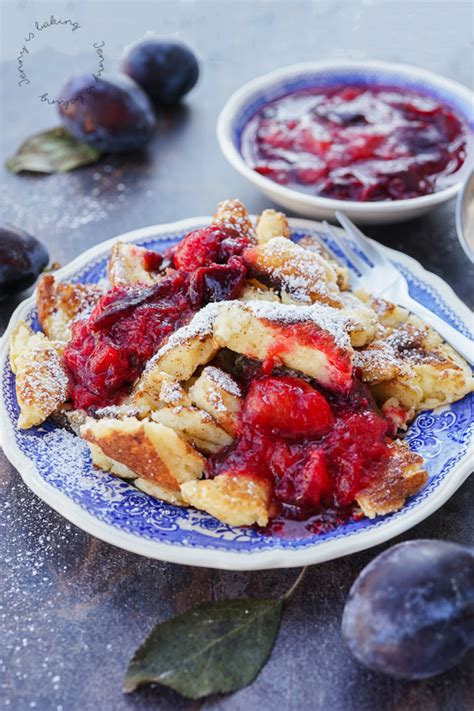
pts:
[377, 362]
[48, 376]
[67, 453]
[396, 351]
[91, 297]
[409, 343]
[200, 326]
[215, 398]
[117, 411]
[304, 276]
[233, 214]
[223, 380]
[127, 265]
[124, 263]
[334, 321]
[171, 392]
[204, 416]
[42, 382]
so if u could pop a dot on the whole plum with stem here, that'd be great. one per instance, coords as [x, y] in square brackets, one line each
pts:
[165, 70]
[410, 613]
[22, 259]
[111, 113]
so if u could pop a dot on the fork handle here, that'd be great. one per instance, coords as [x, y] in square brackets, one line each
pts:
[462, 344]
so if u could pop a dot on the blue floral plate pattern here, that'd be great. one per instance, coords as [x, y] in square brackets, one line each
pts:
[57, 466]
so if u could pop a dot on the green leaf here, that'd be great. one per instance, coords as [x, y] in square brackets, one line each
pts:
[216, 647]
[53, 151]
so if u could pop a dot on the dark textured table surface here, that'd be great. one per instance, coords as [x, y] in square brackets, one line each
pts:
[72, 609]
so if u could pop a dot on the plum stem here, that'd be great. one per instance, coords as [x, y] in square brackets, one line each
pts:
[293, 587]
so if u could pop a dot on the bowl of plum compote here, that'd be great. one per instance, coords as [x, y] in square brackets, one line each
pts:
[383, 142]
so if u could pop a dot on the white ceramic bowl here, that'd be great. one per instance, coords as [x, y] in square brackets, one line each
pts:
[243, 104]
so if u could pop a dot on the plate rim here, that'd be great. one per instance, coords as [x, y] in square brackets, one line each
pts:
[198, 555]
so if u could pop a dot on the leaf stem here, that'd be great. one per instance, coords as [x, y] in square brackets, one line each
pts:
[293, 587]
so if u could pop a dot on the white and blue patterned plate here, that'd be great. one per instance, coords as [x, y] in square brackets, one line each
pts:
[57, 466]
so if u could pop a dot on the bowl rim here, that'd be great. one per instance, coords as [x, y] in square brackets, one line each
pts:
[465, 187]
[238, 99]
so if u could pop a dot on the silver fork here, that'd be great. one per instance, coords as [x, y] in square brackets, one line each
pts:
[381, 278]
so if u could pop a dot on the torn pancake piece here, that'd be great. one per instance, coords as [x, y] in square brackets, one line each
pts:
[60, 304]
[399, 476]
[238, 500]
[409, 368]
[362, 323]
[312, 340]
[310, 243]
[183, 352]
[150, 450]
[256, 291]
[216, 392]
[157, 389]
[130, 264]
[272, 224]
[300, 276]
[196, 425]
[152, 489]
[232, 214]
[42, 384]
